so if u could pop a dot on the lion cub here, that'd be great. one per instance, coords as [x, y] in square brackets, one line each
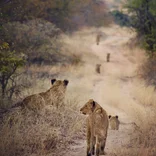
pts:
[114, 122]
[97, 126]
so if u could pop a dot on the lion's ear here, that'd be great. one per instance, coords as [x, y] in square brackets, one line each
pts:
[93, 103]
[117, 117]
[66, 82]
[109, 116]
[52, 81]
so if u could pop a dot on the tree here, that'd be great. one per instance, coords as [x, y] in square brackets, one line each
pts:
[121, 18]
[9, 64]
[143, 14]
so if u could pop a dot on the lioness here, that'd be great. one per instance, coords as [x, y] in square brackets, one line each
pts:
[54, 96]
[114, 122]
[97, 69]
[97, 126]
[98, 38]
[108, 57]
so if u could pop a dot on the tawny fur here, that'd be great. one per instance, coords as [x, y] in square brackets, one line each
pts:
[97, 126]
[98, 38]
[97, 69]
[108, 57]
[114, 122]
[54, 96]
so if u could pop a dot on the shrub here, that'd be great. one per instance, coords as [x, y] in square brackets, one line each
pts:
[143, 15]
[147, 71]
[121, 18]
[9, 65]
[37, 39]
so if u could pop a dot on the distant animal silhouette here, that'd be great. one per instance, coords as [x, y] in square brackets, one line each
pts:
[98, 37]
[97, 68]
[108, 57]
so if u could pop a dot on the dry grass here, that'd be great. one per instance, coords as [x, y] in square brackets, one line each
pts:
[145, 116]
[117, 89]
[77, 45]
[145, 94]
[147, 71]
[134, 54]
[25, 133]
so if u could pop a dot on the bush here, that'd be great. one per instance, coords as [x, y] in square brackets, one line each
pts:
[10, 63]
[121, 18]
[36, 39]
[143, 17]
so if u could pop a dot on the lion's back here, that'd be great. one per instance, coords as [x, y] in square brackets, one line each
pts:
[33, 102]
[101, 121]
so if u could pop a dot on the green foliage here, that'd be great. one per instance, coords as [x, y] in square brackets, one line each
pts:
[8, 59]
[150, 42]
[143, 14]
[121, 18]
[9, 64]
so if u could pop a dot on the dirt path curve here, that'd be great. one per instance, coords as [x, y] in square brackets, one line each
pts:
[118, 64]
[108, 91]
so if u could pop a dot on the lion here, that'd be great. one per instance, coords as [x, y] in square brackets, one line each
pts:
[114, 122]
[54, 96]
[108, 57]
[97, 69]
[97, 126]
[98, 38]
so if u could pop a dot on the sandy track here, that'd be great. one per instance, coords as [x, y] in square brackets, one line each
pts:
[106, 85]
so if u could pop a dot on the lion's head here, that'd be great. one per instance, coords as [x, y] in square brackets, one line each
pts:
[59, 85]
[113, 117]
[90, 107]
[58, 90]
[55, 82]
[114, 122]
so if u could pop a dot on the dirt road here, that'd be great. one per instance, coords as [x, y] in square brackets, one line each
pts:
[112, 89]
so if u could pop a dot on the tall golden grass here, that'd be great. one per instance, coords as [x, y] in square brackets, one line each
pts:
[24, 132]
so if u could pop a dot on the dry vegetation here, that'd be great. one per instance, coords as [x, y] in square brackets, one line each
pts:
[27, 133]
[118, 88]
[143, 103]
